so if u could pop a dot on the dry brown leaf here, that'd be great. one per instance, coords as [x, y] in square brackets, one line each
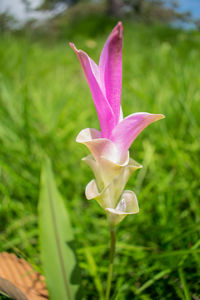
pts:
[19, 280]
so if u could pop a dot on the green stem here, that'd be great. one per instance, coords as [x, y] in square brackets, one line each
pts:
[111, 259]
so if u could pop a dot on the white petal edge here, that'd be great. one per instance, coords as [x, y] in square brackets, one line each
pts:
[100, 147]
[128, 205]
[91, 190]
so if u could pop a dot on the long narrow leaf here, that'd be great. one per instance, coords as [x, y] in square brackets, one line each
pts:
[57, 241]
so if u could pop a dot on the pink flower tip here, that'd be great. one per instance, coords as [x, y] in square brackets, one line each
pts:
[160, 116]
[73, 47]
[119, 28]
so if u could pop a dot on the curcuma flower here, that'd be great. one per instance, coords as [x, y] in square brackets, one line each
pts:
[109, 147]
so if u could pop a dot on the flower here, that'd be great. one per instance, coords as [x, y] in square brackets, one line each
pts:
[109, 147]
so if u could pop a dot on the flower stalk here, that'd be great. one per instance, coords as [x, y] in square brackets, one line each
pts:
[111, 261]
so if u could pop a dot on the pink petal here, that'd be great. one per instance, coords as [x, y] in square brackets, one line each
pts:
[129, 128]
[103, 108]
[110, 66]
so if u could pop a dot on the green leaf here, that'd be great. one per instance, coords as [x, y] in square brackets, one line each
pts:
[57, 241]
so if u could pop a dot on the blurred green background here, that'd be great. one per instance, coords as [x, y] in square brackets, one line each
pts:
[44, 103]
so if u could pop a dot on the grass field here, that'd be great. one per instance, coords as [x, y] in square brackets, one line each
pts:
[45, 102]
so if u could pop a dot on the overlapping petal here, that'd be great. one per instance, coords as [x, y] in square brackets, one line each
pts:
[125, 205]
[110, 169]
[109, 196]
[99, 147]
[106, 170]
